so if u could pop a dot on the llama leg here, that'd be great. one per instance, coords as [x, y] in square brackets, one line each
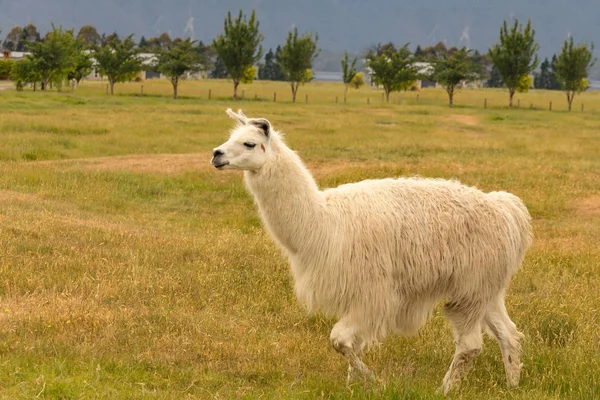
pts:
[466, 327]
[348, 343]
[501, 328]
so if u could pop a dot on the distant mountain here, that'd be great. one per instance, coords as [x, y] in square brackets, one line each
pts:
[351, 25]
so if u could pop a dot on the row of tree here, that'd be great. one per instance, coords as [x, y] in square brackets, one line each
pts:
[509, 63]
[62, 55]
[234, 53]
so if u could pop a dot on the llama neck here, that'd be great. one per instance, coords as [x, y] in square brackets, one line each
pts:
[289, 200]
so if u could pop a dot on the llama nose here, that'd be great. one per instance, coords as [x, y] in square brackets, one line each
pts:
[217, 153]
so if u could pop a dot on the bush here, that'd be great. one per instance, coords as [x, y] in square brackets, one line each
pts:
[5, 68]
[524, 84]
[358, 80]
[249, 74]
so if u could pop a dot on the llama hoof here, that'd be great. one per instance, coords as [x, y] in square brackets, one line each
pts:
[449, 383]
[359, 374]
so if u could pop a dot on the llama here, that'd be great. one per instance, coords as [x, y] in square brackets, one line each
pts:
[380, 254]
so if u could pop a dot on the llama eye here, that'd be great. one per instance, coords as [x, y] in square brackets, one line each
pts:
[249, 145]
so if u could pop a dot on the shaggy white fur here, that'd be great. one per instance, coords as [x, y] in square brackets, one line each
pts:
[381, 254]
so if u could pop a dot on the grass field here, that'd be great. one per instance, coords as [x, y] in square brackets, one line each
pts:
[130, 268]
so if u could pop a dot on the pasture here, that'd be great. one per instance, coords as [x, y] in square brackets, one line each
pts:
[131, 268]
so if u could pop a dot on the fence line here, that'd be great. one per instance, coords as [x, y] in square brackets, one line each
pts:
[417, 99]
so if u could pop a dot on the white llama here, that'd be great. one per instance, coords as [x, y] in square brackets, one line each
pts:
[380, 254]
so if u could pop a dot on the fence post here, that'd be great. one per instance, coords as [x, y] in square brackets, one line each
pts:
[209, 93]
[382, 97]
[417, 97]
[274, 97]
[550, 107]
[368, 100]
[581, 107]
[255, 97]
[306, 99]
[484, 103]
[142, 91]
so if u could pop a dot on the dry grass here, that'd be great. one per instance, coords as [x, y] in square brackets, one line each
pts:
[131, 269]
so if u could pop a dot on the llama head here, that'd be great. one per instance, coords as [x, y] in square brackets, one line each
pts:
[248, 146]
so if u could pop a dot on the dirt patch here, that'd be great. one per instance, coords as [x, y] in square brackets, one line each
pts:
[588, 206]
[170, 164]
[11, 195]
[469, 120]
[167, 164]
[337, 167]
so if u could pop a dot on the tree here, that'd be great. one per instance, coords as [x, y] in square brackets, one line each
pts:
[278, 73]
[25, 72]
[483, 63]
[391, 68]
[495, 80]
[515, 56]
[269, 70]
[419, 52]
[14, 39]
[348, 72]
[541, 80]
[88, 36]
[53, 57]
[451, 70]
[219, 71]
[82, 64]
[434, 52]
[31, 34]
[143, 45]
[109, 38]
[238, 47]
[155, 44]
[5, 68]
[554, 83]
[295, 60]
[572, 67]
[118, 60]
[178, 61]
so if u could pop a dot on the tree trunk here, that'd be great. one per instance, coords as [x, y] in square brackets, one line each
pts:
[511, 93]
[175, 83]
[34, 86]
[450, 99]
[387, 95]
[235, 86]
[570, 96]
[112, 88]
[294, 91]
[346, 90]
[44, 85]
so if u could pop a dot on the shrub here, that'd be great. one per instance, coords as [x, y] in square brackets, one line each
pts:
[5, 68]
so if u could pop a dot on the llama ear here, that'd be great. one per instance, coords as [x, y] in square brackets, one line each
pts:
[262, 124]
[239, 116]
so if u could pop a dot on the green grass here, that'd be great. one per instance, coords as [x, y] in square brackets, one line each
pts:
[131, 269]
